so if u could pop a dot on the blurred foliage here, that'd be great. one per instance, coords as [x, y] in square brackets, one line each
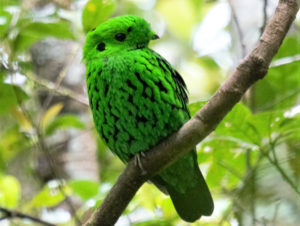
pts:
[96, 12]
[251, 161]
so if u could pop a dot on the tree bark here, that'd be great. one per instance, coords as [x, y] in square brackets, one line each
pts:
[251, 69]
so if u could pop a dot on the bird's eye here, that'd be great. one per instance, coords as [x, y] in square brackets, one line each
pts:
[129, 29]
[101, 46]
[120, 37]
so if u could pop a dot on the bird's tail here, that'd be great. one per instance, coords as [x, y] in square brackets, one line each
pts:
[196, 200]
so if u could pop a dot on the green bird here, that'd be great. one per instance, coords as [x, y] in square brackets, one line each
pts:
[137, 99]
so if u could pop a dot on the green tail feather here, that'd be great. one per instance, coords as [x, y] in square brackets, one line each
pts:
[196, 201]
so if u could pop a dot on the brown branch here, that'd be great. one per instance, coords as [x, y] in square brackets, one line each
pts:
[9, 214]
[251, 69]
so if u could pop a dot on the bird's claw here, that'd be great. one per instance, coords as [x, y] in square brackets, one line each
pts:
[138, 162]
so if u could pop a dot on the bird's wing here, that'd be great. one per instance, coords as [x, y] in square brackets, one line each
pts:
[181, 89]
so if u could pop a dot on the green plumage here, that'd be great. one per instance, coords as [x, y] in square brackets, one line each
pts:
[138, 99]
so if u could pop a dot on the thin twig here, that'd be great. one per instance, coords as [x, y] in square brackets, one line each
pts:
[265, 16]
[59, 79]
[62, 91]
[51, 162]
[284, 175]
[51, 87]
[239, 29]
[9, 214]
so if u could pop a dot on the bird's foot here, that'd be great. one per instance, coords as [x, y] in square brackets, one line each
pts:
[138, 162]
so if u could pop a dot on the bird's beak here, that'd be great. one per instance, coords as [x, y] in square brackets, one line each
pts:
[154, 37]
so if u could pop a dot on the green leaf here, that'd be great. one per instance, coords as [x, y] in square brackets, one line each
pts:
[84, 188]
[36, 31]
[96, 12]
[5, 3]
[223, 171]
[281, 87]
[238, 124]
[49, 197]
[289, 47]
[50, 114]
[10, 96]
[12, 142]
[64, 122]
[10, 191]
[156, 222]
[5, 19]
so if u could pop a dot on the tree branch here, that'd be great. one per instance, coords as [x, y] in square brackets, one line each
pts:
[8, 214]
[251, 69]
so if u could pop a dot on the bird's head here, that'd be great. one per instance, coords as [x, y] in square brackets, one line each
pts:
[117, 34]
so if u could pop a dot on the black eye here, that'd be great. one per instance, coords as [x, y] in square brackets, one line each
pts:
[120, 37]
[101, 46]
[129, 29]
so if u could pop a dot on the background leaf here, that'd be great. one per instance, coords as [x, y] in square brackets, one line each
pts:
[51, 113]
[63, 122]
[10, 191]
[10, 96]
[95, 12]
[84, 188]
[33, 32]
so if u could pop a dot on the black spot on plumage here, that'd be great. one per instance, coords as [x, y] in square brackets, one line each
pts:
[89, 86]
[144, 94]
[123, 90]
[141, 119]
[103, 136]
[143, 83]
[116, 132]
[152, 98]
[129, 83]
[148, 69]
[97, 105]
[161, 86]
[101, 46]
[115, 117]
[160, 64]
[131, 140]
[99, 73]
[105, 90]
[167, 127]
[104, 119]
[120, 37]
[129, 29]
[175, 107]
[96, 89]
[130, 99]
[89, 74]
